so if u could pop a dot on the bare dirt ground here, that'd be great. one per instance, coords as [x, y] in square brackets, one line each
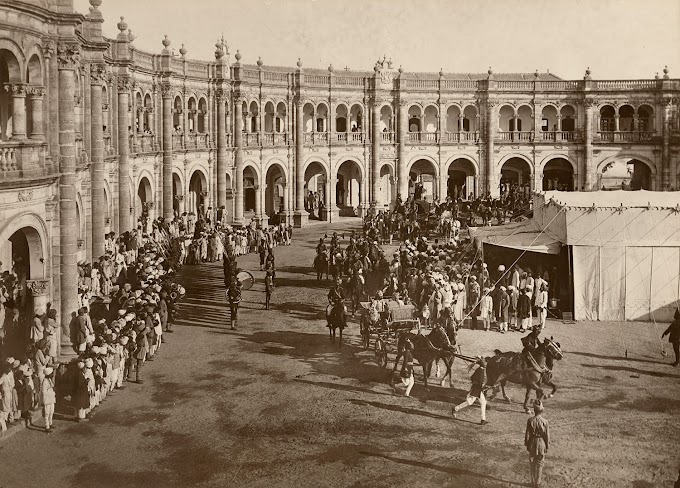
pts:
[276, 404]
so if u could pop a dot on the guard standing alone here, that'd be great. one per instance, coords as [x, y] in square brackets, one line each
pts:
[537, 440]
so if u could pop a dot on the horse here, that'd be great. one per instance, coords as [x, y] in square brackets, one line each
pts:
[530, 369]
[336, 318]
[426, 349]
[321, 265]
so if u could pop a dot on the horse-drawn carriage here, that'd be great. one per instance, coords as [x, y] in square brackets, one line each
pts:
[385, 326]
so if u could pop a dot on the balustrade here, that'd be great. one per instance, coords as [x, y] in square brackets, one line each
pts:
[251, 138]
[21, 160]
[8, 160]
[558, 136]
[280, 139]
[268, 139]
[516, 136]
[625, 136]
[387, 137]
[341, 136]
[355, 137]
[177, 141]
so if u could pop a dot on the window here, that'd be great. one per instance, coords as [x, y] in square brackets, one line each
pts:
[466, 125]
[544, 125]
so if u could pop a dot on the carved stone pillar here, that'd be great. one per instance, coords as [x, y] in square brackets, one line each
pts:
[491, 185]
[36, 95]
[17, 91]
[124, 202]
[97, 73]
[238, 160]
[300, 217]
[40, 293]
[402, 176]
[68, 56]
[590, 176]
[375, 155]
[220, 96]
[166, 93]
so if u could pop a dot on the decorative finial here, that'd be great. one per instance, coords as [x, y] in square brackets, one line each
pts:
[441, 72]
[166, 42]
[536, 74]
[122, 25]
[218, 45]
[299, 63]
[656, 75]
[401, 70]
[183, 50]
[238, 55]
[665, 72]
[259, 62]
[490, 72]
[330, 68]
[131, 36]
[376, 68]
[95, 3]
[389, 63]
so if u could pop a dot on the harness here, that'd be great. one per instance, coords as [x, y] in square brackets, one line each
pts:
[545, 373]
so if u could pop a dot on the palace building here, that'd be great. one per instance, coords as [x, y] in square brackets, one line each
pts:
[95, 132]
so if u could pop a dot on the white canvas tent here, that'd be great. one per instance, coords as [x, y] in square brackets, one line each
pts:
[625, 249]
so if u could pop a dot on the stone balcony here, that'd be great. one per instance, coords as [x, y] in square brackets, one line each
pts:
[625, 136]
[24, 160]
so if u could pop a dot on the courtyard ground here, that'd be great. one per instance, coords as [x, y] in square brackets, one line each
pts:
[275, 404]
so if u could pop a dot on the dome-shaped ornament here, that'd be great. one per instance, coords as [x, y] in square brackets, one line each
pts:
[299, 63]
[330, 68]
[131, 36]
[166, 42]
[238, 55]
[122, 25]
[183, 51]
[259, 62]
[401, 70]
[588, 71]
[96, 3]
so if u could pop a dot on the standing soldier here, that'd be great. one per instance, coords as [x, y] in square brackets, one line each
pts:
[673, 333]
[268, 289]
[537, 440]
[477, 391]
[234, 294]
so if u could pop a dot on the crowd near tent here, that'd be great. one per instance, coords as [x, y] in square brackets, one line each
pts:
[620, 250]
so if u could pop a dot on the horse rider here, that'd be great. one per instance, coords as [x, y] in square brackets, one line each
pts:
[334, 240]
[531, 341]
[320, 247]
[336, 295]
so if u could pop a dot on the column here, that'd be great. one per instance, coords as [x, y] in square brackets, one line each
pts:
[538, 112]
[221, 149]
[590, 183]
[258, 202]
[491, 185]
[333, 210]
[238, 160]
[18, 93]
[668, 171]
[515, 119]
[375, 198]
[97, 157]
[402, 177]
[616, 122]
[37, 95]
[300, 216]
[168, 197]
[124, 202]
[68, 224]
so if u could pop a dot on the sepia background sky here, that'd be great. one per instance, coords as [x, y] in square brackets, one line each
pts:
[616, 38]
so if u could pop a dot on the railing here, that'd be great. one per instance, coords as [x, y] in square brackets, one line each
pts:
[177, 65]
[559, 136]
[146, 142]
[628, 136]
[251, 139]
[177, 141]
[274, 77]
[320, 138]
[459, 84]
[355, 137]
[515, 85]
[560, 85]
[268, 139]
[422, 84]
[348, 81]
[197, 69]
[341, 136]
[387, 137]
[143, 60]
[424, 137]
[516, 136]
[203, 140]
[251, 74]
[317, 80]
[462, 136]
[22, 160]
[626, 84]
[191, 141]
[280, 139]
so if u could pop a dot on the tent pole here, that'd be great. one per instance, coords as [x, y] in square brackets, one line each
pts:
[570, 261]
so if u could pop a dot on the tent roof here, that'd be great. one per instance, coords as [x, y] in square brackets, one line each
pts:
[617, 198]
[525, 236]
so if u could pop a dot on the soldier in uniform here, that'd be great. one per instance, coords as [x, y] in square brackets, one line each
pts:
[234, 294]
[537, 440]
[531, 341]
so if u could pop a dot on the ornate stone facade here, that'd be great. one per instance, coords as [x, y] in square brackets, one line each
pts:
[168, 134]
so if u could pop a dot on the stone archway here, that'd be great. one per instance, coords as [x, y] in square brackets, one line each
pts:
[516, 176]
[462, 180]
[198, 186]
[625, 174]
[386, 187]
[316, 189]
[422, 181]
[275, 193]
[144, 204]
[349, 192]
[558, 174]
[177, 195]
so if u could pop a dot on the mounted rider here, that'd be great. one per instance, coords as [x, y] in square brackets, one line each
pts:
[531, 341]
[321, 247]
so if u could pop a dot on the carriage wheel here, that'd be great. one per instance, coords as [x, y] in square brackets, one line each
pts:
[380, 352]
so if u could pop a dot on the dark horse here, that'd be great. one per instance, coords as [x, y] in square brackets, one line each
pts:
[531, 370]
[426, 349]
[321, 265]
[336, 318]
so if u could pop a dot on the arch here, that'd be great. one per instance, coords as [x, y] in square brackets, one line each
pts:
[423, 178]
[506, 118]
[645, 114]
[177, 191]
[275, 194]
[558, 173]
[308, 117]
[430, 118]
[198, 186]
[341, 118]
[34, 71]
[462, 173]
[316, 177]
[356, 117]
[386, 117]
[453, 116]
[525, 118]
[275, 161]
[516, 172]
[607, 118]
[626, 172]
[349, 189]
[35, 233]
[12, 56]
[321, 118]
